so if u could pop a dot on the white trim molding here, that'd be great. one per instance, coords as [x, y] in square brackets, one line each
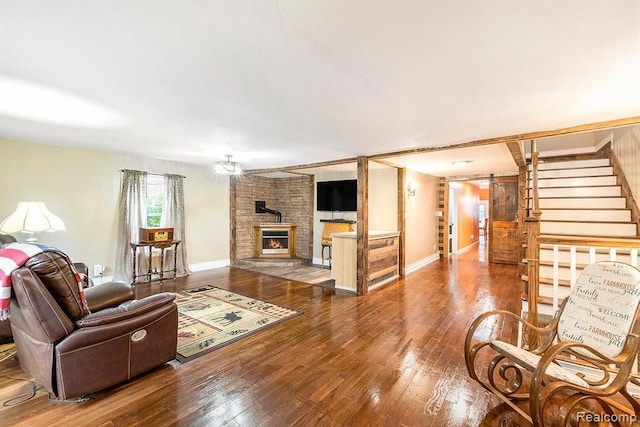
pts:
[422, 263]
[209, 265]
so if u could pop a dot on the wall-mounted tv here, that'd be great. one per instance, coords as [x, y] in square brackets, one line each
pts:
[337, 195]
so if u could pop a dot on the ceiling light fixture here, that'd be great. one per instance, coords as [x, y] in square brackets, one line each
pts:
[461, 163]
[227, 167]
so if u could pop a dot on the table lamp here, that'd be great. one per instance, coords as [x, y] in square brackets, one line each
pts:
[31, 217]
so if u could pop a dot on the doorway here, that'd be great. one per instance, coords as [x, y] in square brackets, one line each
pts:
[453, 219]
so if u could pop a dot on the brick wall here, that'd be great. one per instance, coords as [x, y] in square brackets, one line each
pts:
[293, 197]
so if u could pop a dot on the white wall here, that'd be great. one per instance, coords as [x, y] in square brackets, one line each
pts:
[82, 187]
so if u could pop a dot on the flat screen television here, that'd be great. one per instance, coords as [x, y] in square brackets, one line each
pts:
[337, 195]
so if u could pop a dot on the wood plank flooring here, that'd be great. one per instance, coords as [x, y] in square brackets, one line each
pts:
[394, 357]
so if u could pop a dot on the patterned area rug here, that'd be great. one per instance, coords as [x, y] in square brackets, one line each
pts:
[210, 317]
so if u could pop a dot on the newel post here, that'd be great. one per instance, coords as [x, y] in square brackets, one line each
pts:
[532, 226]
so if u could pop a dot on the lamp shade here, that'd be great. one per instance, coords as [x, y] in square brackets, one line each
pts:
[31, 217]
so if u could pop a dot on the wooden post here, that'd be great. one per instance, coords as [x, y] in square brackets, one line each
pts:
[233, 226]
[362, 234]
[402, 207]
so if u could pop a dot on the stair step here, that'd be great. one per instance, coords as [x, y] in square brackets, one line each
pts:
[566, 228]
[567, 173]
[573, 164]
[581, 181]
[562, 264]
[565, 283]
[581, 192]
[583, 203]
[604, 215]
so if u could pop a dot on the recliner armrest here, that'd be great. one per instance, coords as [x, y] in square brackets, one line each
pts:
[125, 311]
[108, 295]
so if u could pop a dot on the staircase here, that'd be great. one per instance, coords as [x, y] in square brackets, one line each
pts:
[579, 199]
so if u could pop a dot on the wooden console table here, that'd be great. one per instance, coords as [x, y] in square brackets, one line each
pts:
[160, 273]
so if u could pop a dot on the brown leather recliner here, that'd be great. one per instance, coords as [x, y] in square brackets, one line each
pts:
[73, 353]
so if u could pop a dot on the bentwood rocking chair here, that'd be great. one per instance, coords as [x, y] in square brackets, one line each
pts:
[579, 367]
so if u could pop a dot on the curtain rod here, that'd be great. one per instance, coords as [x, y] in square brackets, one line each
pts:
[150, 173]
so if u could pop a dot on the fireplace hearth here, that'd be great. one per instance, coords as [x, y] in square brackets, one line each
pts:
[275, 240]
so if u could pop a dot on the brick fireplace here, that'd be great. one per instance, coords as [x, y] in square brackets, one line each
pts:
[293, 196]
[275, 240]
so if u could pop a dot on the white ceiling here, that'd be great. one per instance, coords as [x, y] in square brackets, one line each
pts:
[290, 82]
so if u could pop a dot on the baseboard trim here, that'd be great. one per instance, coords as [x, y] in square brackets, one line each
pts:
[422, 263]
[467, 248]
[209, 265]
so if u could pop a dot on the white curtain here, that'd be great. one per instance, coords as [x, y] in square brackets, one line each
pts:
[173, 216]
[132, 215]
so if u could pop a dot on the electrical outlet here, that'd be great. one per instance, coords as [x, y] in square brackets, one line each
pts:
[98, 270]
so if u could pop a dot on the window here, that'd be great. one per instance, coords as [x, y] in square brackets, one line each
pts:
[155, 199]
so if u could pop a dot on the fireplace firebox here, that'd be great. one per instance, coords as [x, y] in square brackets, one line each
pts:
[275, 240]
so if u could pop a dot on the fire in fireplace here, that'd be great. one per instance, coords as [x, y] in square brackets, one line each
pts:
[275, 241]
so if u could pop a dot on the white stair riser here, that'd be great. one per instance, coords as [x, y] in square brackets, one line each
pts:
[546, 309]
[547, 291]
[611, 191]
[585, 181]
[588, 229]
[568, 173]
[573, 164]
[582, 257]
[564, 273]
[583, 203]
[603, 215]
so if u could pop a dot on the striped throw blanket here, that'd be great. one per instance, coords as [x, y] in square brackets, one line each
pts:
[14, 256]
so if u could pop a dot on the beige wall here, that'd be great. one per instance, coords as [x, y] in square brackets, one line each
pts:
[421, 220]
[82, 187]
[383, 198]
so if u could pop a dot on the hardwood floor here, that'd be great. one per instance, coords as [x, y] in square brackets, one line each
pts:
[394, 357]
